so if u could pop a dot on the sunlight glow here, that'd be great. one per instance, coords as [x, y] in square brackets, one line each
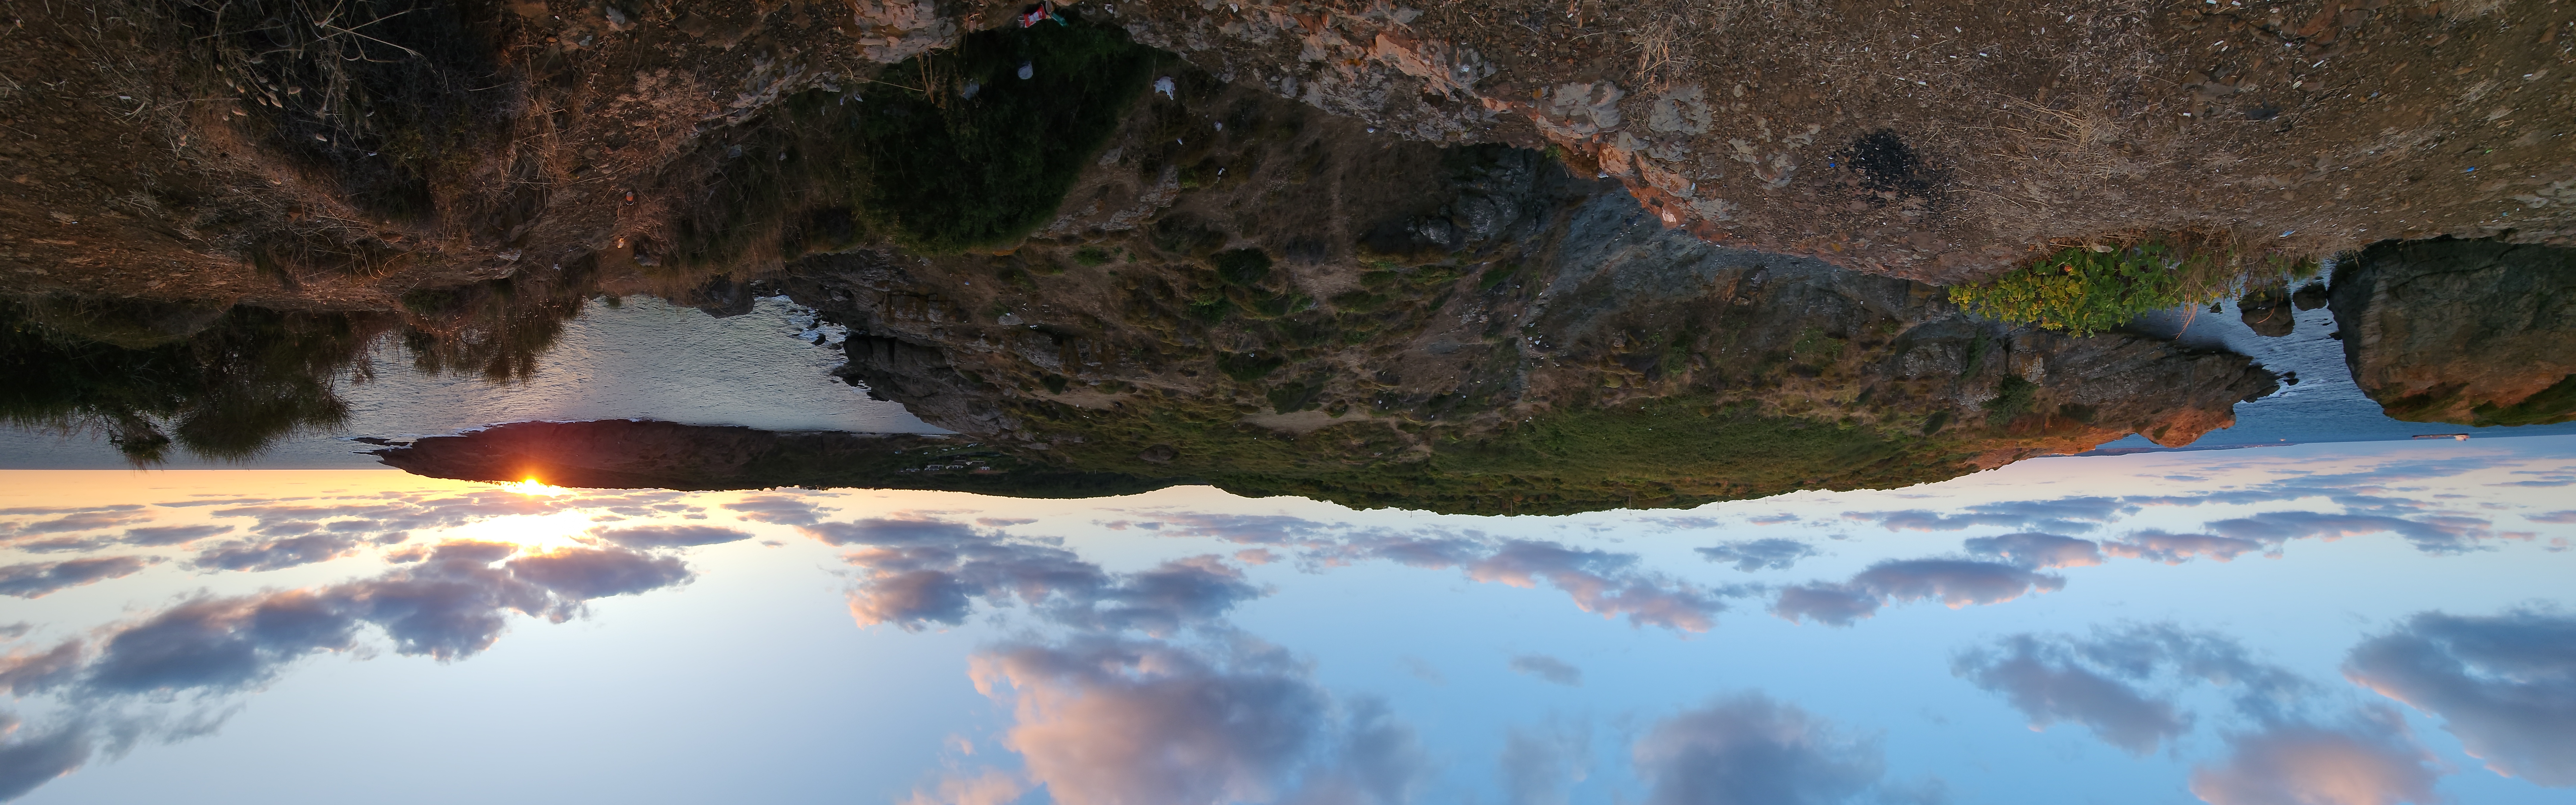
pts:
[534, 533]
[532, 486]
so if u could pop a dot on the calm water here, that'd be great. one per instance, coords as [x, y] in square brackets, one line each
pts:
[2347, 623]
[644, 359]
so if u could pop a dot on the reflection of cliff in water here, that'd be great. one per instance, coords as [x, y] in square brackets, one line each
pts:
[218, 383]
[226, 381]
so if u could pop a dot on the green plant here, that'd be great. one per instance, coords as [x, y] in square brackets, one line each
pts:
[1248, 367]
[1091, 255]
[2088, 290]
[2013, 398]
[1241, 267]
[2079, 291]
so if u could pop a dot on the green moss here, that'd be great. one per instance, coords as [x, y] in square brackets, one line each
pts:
[909, 158]
[1671, 452]
[1248, 368]
[1091, 255]
[2551, 405]
[1242, 267]
[952, 172]
[2013, 398]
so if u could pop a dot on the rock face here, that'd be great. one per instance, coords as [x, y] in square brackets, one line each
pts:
[1464, 328]
[2462, 331]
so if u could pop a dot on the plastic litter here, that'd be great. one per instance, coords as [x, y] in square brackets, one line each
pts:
[1027, 69]
[1164, 85]
[1040, 13]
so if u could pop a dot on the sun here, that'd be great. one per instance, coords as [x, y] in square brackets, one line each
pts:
[534, 488]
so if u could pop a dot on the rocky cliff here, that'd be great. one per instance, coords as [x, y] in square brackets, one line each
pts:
[2468, 332]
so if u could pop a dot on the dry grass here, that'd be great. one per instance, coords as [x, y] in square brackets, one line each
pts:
[2083, 142]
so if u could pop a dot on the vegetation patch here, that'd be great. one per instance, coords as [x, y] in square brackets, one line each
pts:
[1248, 367]
[2013, 398]
[2081, 291]
[944, 153]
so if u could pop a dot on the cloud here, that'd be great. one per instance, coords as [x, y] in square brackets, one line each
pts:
[2062, 514]
[1752, 750]
[36, 579]
[160, 535]
[2553, 517]
[27, 762]
[1601, 583]
[2505, 684]
[1250, 529]
[24, 672]
[449, 604]
[2035, 550]
[2371, 762]
[586, 573]
[1926, 520]
[1548, 668]
[2100, 681]
[72, 520]
[670, 536]
[1102, 720]
[2174, 549]
[1955, 582]
[1536, 764]
[1760, 554]
[1380, 762]
[219, 643]
[1162, 599]
[894, 531]
[926, 571]
[275, 554]
[2431, 534]
[779, 509]
[991, 787]
[2048, 688]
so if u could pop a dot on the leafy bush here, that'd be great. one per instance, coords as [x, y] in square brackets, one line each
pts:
[2013, 398]
[2079, 291]
[2082, 292]
[1242, 267]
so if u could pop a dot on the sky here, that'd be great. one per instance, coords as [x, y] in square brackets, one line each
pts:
[2353, 623]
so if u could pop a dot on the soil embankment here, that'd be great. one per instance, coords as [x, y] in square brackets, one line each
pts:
[253, 151]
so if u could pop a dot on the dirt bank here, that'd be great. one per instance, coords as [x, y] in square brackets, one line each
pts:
[255, 151]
